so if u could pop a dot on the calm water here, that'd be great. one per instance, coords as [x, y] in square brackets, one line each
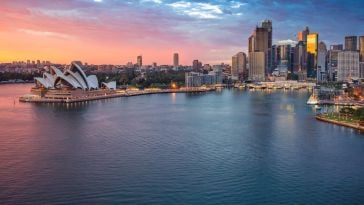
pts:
[229, 147]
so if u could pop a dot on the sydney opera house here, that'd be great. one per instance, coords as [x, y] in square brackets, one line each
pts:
[72, 83]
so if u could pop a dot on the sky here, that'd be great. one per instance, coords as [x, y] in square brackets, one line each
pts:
[116, 31]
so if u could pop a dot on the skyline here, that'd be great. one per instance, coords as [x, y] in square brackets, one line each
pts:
[116, 32]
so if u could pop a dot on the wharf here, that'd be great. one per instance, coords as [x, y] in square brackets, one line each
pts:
[117, 93]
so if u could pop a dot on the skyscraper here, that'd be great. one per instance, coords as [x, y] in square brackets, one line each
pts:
[337, 47]
[260, 42]
[175, 60]
[351, 43]
[301, 56]
[312, 47]
[238, 65]
[321, 62]
[332, 64]
[302, 35]
[257, 66]
[284, 58]
[251, 43]
[361, 48]
[267, 24]
[140, 61]
[300, 61]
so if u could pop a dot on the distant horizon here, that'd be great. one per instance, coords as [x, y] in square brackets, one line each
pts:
[116, 32]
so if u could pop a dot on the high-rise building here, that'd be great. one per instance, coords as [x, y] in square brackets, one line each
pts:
[284, 59]
[261, 41]
[351, 43]
[302, 35]
[274, 56]
[139, 61]
[361, 48]
[257, 66]
[267, 24]
[175, 60]
[251, 47]
[238, 65]
[337, 47]
[321, 63]
[332, 56]
[348, 66]
[312, 47]
[361, 71]
[300, 66]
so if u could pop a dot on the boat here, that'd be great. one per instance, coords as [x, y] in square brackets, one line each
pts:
[313, 100]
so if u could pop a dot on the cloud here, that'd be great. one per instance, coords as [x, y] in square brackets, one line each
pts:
[185, 25]
[153, 1]
[236, 4]
[287, 42]
[197, 10]
[65, 13]
[46, 34]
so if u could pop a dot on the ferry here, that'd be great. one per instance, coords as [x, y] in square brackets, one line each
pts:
[313, 100]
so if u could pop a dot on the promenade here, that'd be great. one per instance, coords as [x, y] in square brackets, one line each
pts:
[118, 93]
[340, 121]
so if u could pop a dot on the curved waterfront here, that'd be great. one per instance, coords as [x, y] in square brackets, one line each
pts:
[229, 147]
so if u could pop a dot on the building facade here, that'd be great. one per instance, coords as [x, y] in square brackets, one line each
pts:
[238, 65]
[312, 48]
[267, 24]
[348, 66]
[361, 48]
[321, 63]
[257, 66]
[195, 79]
[351, 43]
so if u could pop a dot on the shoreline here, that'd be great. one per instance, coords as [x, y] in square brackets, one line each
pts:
[15, 83]
[38, 99]
[336, 122]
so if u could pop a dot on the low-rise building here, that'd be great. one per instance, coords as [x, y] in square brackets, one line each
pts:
[195, 79]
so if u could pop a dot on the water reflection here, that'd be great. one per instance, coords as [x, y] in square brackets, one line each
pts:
[227, 147]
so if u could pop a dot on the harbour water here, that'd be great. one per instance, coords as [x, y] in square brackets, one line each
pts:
[228, 147]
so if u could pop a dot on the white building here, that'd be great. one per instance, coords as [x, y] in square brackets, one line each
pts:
[72, 78]
[348, 66]
[194, 79]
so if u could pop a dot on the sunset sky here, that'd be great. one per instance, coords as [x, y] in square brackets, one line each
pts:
[116, 31]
